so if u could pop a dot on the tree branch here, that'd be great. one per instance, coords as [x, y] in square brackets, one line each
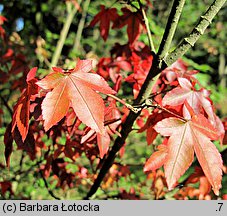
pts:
[199, 30]
[170, 28]
[64, 32]
[156, 68]
[81, 25]
[148, 31]
[47, 187]
[6, 104]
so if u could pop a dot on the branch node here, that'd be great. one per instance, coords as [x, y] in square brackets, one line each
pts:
[205, 17]
[200, 31]
[189, 42]
[134, 109]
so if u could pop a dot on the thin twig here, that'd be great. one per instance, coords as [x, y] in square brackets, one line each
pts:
[6, 105]
[91, 166]
[21, 160]
[170, 28]
[81, 25]
[150, 103]
[47, 187]
[73, 125]
[133, 109]
[148, 31]
[128, 164]
[64, 32]
[170, 112]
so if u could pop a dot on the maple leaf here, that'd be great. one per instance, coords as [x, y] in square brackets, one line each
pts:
[103, 143]
[225, 131]
[197, 100]
[8, 141]
[104, 17]
[157, 159]
[75, 88]
[141, 62]
[19, 64]
[185, 138]
[133, 20]
[103, 140]
[6, 57]
[112, 122]
[178, 69]
[22, 108]
[204, 186]
[2, 30]
[152, 120]
[186, 92]
[28, 144]
[6, 186]
[2, 20]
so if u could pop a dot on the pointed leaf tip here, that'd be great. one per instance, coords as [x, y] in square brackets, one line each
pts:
[157, 159]
[31, 74]
[78, 90]
[185, 138]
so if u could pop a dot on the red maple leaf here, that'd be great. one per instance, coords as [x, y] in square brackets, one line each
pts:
[8, 141]
[28, 145]
[157, 159]
[225, 131]
[198, 176]
[112, 122]
[22, 108]
[190, 191]
[2, 20]
[104, 17]
[133, 20]
[196, 99]
[74, 88]
[186, 93]
[178, 69]
[6, 186]
[152, 120]
[19, 64]
[185, 138]
[2, 30]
